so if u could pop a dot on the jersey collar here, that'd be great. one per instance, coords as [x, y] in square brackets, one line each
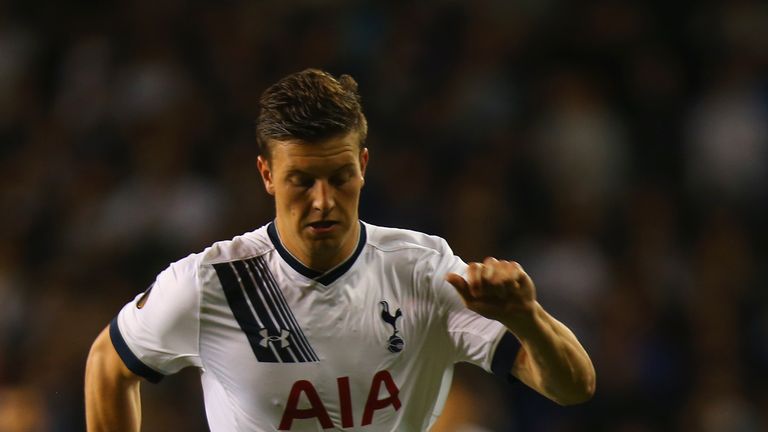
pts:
[325, 278]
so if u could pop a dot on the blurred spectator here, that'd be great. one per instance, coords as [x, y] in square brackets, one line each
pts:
[22, 410]
[162, 201]
[728, 140]
[580, 148]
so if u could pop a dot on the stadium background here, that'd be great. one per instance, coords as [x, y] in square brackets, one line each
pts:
[617, 149]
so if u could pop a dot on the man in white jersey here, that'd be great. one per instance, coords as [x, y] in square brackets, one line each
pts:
[321, 321]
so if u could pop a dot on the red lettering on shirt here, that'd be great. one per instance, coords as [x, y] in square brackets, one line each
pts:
[316, 410]
[345, 400]
[374, 403]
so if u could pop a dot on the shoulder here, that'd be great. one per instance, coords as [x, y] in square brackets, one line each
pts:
[388, 239]
[421, 258]
[248, 245]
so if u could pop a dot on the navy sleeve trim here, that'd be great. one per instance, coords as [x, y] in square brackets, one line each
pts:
[505, 355]
[129, 358]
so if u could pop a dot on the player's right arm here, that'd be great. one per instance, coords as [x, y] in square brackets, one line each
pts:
[112, 401]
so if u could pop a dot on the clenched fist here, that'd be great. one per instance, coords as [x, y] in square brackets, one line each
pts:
[498, 290]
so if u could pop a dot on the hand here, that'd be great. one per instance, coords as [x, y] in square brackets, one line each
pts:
[498, 290]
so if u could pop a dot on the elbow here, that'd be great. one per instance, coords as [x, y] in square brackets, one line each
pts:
[577, 397]
[582, 391]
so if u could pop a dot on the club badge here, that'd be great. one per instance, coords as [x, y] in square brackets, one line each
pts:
[396, 343]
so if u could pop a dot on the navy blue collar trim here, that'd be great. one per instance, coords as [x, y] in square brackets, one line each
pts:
[324, 278]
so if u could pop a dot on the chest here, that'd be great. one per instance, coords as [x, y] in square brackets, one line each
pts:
[265, 333]
[363, 320]
[282, 345]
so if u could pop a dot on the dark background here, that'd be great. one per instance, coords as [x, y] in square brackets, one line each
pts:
[617, 149]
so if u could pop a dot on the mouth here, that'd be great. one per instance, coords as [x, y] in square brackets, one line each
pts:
[323, 226]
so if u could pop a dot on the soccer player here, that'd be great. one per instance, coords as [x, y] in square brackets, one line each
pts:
[318, 320]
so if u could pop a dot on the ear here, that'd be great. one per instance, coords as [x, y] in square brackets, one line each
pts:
[266, 175]
[363, 162]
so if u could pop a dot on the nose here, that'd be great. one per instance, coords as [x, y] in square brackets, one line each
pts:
[322, 196]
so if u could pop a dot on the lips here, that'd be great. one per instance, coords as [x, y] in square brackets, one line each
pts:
[322, 226]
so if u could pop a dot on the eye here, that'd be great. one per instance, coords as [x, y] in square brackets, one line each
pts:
[340, 178]
[300, 180]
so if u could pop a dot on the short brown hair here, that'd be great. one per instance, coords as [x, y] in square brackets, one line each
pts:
[311, 106]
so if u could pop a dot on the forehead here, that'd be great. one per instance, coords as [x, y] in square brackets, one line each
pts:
[324, 155]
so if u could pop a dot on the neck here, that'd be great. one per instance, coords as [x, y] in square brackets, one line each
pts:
[321, 257]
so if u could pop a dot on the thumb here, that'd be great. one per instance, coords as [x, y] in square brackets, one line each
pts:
[460, 284]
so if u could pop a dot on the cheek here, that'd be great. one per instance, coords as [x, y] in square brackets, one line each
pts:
[289, 200]
[350, 196]
[297, 204]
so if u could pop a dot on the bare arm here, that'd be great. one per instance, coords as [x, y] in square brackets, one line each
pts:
[551, 360]
[112, 401]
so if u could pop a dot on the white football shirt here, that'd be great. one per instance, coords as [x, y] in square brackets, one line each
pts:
[369, 345]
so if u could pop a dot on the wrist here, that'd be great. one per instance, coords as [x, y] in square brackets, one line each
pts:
[525, 323]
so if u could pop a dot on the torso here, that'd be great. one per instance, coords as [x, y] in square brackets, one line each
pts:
[297, 335]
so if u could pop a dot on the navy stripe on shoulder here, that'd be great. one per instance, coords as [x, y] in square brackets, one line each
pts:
[505, 355]
[233, 286]
[129, 358]
[270, 287]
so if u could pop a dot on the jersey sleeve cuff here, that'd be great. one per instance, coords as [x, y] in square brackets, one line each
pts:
[129, 358]
[505, 355]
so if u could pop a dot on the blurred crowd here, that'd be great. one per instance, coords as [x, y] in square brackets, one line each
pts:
[617, 149]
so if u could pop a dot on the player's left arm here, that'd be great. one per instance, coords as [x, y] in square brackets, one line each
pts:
[551, 360]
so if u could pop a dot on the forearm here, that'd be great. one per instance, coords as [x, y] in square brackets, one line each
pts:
[112, 399]
[552, 359]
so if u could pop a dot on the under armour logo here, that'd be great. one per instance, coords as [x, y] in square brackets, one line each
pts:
[266, 338]
[396, 343]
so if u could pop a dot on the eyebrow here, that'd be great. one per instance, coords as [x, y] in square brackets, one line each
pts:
[294, 171]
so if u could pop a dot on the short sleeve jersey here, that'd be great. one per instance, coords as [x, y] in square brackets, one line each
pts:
[368, 345]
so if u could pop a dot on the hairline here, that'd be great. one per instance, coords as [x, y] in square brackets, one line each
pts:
[270, 142]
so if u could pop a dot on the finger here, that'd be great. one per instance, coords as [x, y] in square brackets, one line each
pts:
[488, 270]
[517, 272]
[493, 275]
[460, 284]
[520, 279]
[474, 279]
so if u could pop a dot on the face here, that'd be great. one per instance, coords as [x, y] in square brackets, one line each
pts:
[317, 191]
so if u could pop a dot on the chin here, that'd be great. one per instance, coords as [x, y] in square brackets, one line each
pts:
[324, 247]
[323, 238]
